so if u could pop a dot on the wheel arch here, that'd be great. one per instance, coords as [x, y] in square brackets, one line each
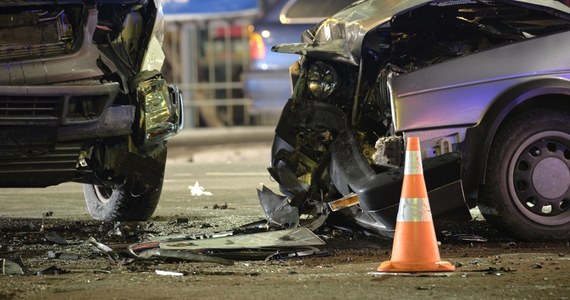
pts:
[551, 93]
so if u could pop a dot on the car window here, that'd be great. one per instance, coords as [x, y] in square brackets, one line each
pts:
[311, 11]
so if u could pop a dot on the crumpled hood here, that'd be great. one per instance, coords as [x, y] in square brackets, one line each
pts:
[340, 36]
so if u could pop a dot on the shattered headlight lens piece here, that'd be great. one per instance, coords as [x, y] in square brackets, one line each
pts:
[321, 80]
[161, 110]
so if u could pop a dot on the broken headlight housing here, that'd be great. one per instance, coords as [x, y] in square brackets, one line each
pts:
[160, 110]
[321, 80]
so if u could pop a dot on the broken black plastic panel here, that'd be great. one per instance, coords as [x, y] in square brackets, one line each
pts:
[379, 193]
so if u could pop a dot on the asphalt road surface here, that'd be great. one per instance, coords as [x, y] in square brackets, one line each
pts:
[493, 266]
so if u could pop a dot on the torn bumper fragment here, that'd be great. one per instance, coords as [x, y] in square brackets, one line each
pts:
[379, 193]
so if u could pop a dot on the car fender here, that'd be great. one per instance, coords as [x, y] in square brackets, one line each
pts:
[517, 98]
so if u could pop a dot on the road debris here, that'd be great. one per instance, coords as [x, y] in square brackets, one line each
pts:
[277, 209]
[220, 206]
[197, 190]
[53, 270]
[62, 256]
[55, 238]
[296, 237]
[102, 248]
[183, 255]
[168, 273]
[296, 253]
[11, 267]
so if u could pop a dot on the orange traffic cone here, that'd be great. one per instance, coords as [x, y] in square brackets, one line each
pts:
[415, 246]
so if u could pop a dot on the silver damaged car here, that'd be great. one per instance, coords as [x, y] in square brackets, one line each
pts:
[82, 99]
[485, 85]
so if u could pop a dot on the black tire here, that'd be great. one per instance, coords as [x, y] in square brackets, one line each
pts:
[527, 190]
[129, 202]
[121, 204]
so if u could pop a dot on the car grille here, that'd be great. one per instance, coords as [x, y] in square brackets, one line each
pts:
[30, 110]
[34, 32]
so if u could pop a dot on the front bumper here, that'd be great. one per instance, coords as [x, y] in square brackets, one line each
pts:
[379, 193]
[350, 172]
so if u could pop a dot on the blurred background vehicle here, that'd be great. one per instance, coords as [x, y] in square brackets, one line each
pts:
[219, 54]
[266, 82]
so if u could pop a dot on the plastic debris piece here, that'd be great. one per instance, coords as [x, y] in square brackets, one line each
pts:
[277, 209]
[104, 249]
[297, 237]
[9, 267]
[63, 256]
[197, 190]
[346, 201]
[168, 273]
[55, 238]
[182, 220]
[183, 255]
[296, 253]
[53, 270]
[174, 238]
[469, 238]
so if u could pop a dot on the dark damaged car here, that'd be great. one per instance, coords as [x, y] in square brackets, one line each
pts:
[82, 99]
[485, 85]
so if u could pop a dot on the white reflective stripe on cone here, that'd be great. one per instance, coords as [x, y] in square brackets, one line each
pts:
[414, 210]
[413, 163]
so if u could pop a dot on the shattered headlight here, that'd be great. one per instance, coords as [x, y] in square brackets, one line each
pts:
[161, 110]
[321, 80]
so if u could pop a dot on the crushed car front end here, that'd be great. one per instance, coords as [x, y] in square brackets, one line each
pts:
[82, 97]
[444, 71]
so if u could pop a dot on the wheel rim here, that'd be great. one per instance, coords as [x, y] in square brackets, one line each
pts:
[103, 194]
[539, 177]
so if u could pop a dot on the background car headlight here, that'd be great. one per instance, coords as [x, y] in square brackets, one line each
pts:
[321, 80]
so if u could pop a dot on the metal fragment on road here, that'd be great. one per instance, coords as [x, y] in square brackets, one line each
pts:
[296, 237]
[296, 253]
[103, 248]
[277, 209]
[469, 238]
[183, 255]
